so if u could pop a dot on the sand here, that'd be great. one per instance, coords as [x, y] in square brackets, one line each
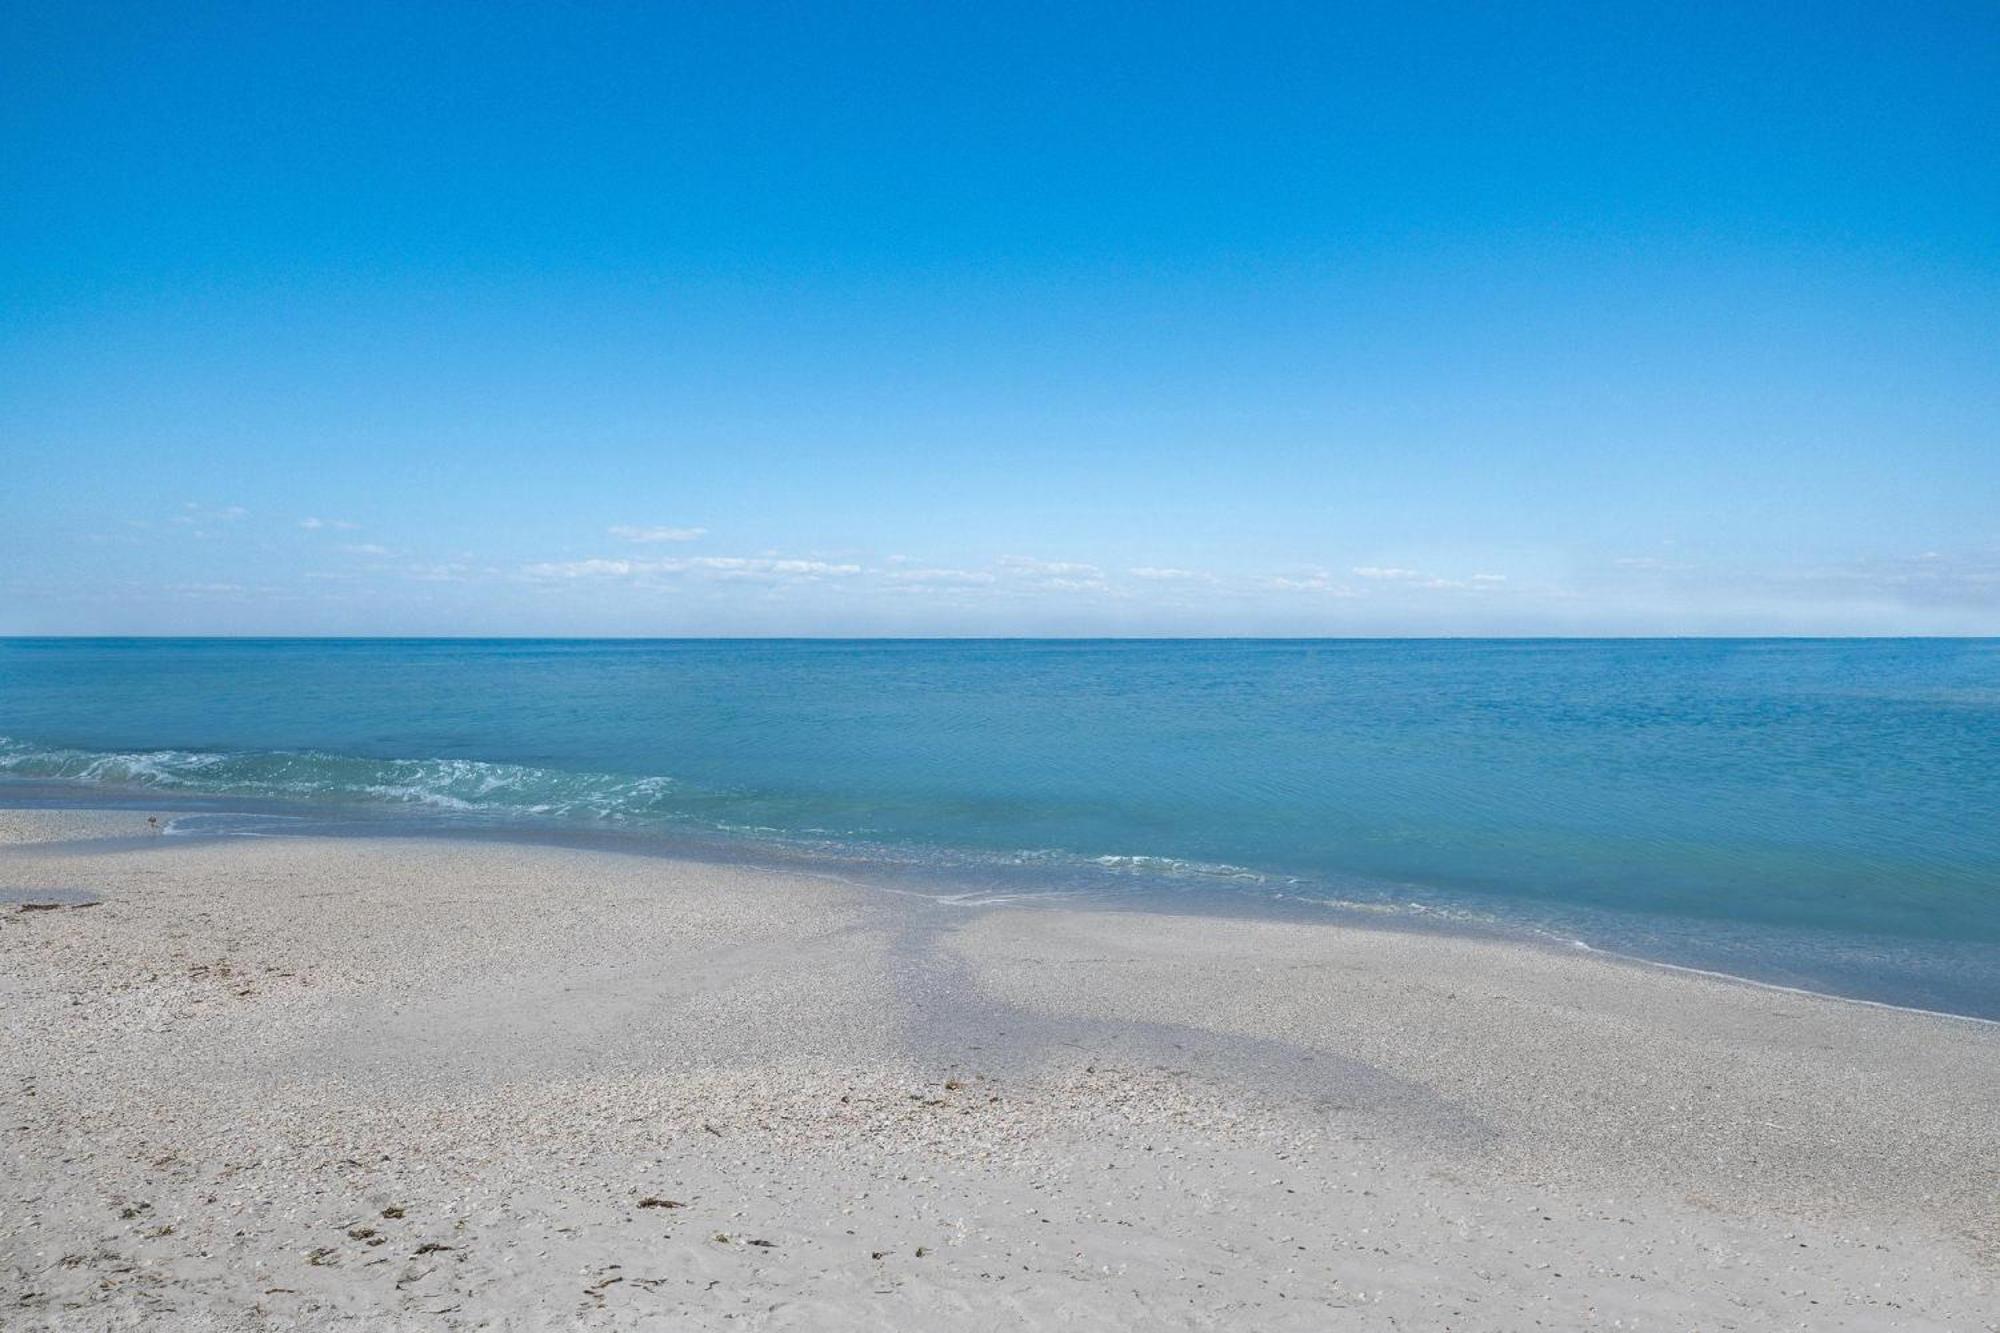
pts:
[413, 1083]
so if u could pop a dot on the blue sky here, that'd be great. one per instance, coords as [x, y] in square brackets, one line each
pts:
[661, 319]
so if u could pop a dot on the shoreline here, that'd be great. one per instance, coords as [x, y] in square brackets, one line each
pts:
[1805, 992]
[915, 879]
[928, 1112]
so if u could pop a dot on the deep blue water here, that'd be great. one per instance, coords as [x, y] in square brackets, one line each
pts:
[1824, 813]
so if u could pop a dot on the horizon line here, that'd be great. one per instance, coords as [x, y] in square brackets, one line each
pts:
[1001, 638]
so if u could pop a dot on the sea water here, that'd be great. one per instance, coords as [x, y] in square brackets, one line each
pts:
[1814, 813]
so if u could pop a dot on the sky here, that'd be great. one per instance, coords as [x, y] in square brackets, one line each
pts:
[1000, 319]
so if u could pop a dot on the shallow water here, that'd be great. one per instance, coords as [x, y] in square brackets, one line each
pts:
[1823, 813]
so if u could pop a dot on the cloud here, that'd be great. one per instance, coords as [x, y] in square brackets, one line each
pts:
[1416, 578]
[1022, 564]
[1052, 575]
[438, 573]
[1154, 574]
[1309, 580]
[582, 569]
[761, 567]
[200, 513]
[1953, 590]
[367, 548]
[940, 577]
[640, 534]
[1966, 579]
[337, 524]
[716, 567]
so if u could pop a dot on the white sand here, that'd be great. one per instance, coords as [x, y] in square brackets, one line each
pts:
[292, 1083]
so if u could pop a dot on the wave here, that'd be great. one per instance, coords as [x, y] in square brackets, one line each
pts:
[737, 823]
[468, 786]
[492, 792]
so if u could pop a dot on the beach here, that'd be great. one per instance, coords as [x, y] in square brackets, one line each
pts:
[403, 1082]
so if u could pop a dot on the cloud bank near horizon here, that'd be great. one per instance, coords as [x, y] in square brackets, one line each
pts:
[225, 571]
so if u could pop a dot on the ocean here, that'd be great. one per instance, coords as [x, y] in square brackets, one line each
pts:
[1821, 814]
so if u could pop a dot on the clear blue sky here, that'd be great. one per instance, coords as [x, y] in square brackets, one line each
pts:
[1000, 318]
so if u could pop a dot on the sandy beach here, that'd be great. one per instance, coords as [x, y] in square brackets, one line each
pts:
[405, 1083]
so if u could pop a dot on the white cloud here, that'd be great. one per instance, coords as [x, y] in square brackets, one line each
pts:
[1052, 575]
[1933, 579]
[337, 524]
[198, 521]
[1022, 564]
[958, 577]
[437, 573]
[632, 533]
[1157, 574]
[763, 567]
[1309, 580]
[719, 567]
[367, 548]
[582, 569]
[1416, 578]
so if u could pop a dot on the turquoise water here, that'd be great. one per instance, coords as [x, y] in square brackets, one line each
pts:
[1823, 813]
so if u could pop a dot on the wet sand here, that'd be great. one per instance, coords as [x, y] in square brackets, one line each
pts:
[401, 1083]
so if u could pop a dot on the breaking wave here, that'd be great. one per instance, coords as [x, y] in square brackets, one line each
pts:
[467, 786]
